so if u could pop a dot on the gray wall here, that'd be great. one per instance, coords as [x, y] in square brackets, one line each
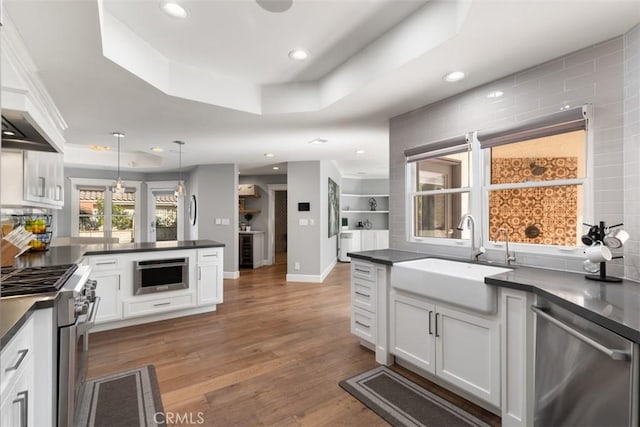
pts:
[632, 152]
[216, 190]
[303, 242]
[592, 75]
[260, 221]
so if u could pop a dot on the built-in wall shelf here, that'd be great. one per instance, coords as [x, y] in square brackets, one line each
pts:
[355, 209]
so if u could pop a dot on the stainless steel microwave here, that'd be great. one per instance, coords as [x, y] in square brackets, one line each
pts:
[160, 275]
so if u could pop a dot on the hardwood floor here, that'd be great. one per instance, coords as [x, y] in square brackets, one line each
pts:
[272, 354]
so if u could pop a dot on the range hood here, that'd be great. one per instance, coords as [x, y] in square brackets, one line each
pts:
[19, 133]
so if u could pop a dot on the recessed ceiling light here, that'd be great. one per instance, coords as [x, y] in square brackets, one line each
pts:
[157, 149]
[8, 133]
[95, 147]
[275, 6]
[360, 151]
[318, 141]
[275, 168]
[298, 55]
[270, 155]
[495, 94]
[172, 8]
[454, 76]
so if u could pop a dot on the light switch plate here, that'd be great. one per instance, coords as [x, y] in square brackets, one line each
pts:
[218, 221]
[225, 221]
[303, 221]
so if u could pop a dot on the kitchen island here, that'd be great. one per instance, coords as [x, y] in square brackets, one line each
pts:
[115, 282]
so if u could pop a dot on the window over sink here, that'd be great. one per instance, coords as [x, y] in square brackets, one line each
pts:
[531, 178]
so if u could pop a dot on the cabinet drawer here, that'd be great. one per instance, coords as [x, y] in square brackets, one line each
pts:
[209, 256]
[16, 354]
[104, 263]
[363, 294]
[363, 270]
[363, 324]
[134, 308]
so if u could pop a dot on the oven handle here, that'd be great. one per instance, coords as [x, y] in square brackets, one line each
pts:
[91, 320]
[173, 264]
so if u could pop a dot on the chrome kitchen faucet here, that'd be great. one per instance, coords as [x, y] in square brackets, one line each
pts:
[508, 257]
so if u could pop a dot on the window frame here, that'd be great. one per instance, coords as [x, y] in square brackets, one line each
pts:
[479, 198]
[77, 183]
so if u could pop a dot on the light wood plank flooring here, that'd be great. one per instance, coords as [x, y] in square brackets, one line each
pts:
[272, 354]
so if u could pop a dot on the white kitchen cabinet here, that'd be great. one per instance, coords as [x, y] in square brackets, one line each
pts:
[468, 353]
[369, 307]
[26, 377]
[457, 346]
[109, 290]
[412, 335]
[517, 337]
[32, 178]
[210, 281]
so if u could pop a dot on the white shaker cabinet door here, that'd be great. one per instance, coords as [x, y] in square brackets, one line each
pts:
[412, 331]
[209, 284]
[468, 353]
[108, 289]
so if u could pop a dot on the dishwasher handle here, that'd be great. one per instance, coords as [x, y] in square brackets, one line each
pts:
[612, 353]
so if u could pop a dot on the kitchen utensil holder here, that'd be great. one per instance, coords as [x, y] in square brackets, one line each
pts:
[602, 276]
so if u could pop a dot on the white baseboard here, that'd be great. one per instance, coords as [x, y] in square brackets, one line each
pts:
[231, 275]
[312, 278]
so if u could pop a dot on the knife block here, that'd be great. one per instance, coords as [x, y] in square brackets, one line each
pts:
[9, 253]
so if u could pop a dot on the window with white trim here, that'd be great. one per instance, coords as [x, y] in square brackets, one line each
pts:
[98, 212]
[439, 183]
[532, 180]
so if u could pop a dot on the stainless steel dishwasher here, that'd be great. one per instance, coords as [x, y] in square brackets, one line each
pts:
[585, 375]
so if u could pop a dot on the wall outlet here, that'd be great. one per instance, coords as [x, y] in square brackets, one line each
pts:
[303, 222]
[296, 266]
[225, 221]
[310, 221]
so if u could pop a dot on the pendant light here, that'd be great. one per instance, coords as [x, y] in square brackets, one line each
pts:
[180, 188]
[118, 186]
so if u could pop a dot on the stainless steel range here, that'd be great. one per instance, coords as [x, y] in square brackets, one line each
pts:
[75, 309]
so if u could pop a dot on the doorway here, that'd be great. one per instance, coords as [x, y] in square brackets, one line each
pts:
[164, 213]
[277, 248]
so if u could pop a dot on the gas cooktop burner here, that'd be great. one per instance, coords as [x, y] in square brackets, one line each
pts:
[34, 280]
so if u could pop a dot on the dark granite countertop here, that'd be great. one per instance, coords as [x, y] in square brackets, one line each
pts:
[58, 255]
[615, 306]
[14, 311]
[387, 256]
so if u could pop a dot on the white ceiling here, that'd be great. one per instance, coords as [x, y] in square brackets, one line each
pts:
[363, 63]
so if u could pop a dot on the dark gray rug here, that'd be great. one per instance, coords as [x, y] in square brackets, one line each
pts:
[126, 399]
[403, 403]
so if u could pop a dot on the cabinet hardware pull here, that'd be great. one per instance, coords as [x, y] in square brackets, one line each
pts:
[362, 271]
[437, 314]
[362, 324]
[23, 401]
[430, 331]
[41, 186]
[22, 355]
[199, 273]
[161, 303]
[208, 255]
[612, 353]
[363, 295]
[106, 263]
[118, 282]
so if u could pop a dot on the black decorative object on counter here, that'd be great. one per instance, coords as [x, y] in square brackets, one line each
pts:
[373, 204]
[596, 236]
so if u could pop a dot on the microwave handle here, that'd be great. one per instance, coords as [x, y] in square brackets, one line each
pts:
[173, 264]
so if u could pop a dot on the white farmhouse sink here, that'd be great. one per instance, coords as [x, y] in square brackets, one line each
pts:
[458, 283]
